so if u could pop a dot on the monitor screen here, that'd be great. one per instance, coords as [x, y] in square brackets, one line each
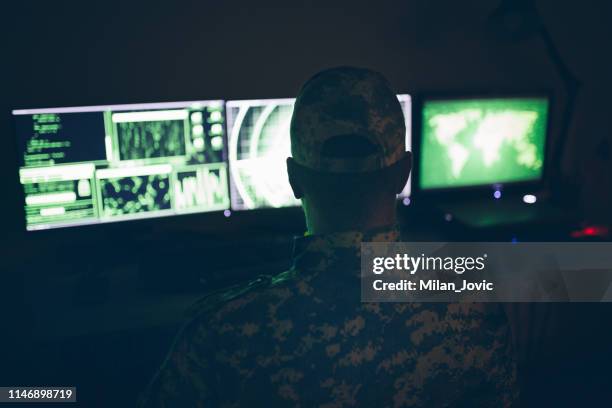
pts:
[486, 141]
[94, 164]
[258, 145]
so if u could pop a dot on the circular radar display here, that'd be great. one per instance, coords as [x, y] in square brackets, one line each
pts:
[259, 144]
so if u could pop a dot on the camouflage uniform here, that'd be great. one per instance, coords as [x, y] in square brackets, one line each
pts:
[303, 338]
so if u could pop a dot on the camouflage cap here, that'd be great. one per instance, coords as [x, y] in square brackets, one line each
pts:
[347, 101]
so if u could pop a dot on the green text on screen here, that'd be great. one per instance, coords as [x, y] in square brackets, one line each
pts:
[473, 142]
[96, 164]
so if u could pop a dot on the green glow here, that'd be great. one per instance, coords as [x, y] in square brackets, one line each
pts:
[135, 194]
[152, 163]
[44, 127]
[201, 187]
[258, 147]
[215, 117]
[198, 143]
[150, 116]
[52, 211]
[151, 140]
[197, 130]
[196, 118]
[482, 141]
[216, 142]
[53, 198]
[56, 200]
[259, 144]
[216, 129]
[84, 188]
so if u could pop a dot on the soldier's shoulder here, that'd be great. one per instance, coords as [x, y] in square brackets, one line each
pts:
[228, 300]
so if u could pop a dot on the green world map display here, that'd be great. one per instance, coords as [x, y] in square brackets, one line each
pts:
[474, 142]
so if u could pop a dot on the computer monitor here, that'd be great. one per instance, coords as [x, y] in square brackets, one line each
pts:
[258, 145]
[468, 142]
[97, 164]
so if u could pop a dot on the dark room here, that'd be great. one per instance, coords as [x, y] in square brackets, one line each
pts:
[306, 203]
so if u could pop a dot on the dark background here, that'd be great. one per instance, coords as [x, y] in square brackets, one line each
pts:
[80, 53]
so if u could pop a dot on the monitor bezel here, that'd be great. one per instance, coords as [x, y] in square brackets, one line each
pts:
[480, 189]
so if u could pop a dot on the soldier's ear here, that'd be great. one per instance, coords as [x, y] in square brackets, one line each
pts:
[403, 172]
[294, 180]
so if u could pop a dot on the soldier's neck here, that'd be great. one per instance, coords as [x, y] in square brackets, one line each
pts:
[338, 220]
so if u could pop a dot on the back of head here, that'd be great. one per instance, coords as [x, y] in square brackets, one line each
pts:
[348, 137]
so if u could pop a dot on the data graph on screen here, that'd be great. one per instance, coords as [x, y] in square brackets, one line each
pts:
[201, 187]
[258, 146]
[164, 135]
[97, 164]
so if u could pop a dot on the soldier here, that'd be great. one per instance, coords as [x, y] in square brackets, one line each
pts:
[303, 338]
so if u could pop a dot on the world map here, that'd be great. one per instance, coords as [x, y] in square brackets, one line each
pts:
[473, 144]
[492, 131]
